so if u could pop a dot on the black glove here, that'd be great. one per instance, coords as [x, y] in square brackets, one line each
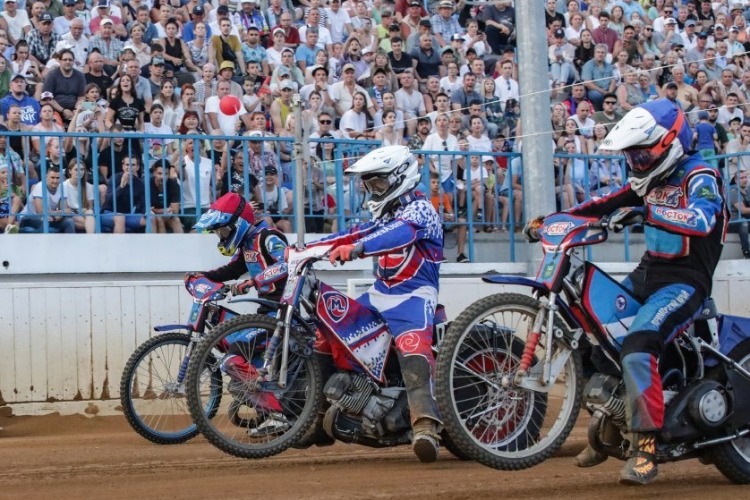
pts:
[623, 217]
[242, 287]
[191, 275]
[531, 229]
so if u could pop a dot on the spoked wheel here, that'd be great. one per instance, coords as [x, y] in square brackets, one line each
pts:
[492, 420]
[257, 418]
[152, 390]
[733, 458]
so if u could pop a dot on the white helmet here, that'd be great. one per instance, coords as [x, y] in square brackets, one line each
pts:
[387, 173]
[653, 137]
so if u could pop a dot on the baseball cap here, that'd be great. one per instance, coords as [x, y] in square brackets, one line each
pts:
[130, 47]
[287, 49]
[703, 115]
[445, 3]
[718, 27]
[316, 68]
[279, 30]
[366, 50]
[386, 13]
[487, 158]
[46, 17]
[16, 76]
[457, 37]
[559, 33]
[284, 71]
[447, 48]
[102, 3]
[286, 85]
[47, 95]
[69, 2]
[689, 22]
[736, 6]
[734, 29]
[198, 10]
[222, 9]
[348, 66]
[106, 20]
[702, 34]
[414, 3]
[671, 85]
[271, 170]
[157, 61]
[425, 22]
[226, 65]
[670, 20]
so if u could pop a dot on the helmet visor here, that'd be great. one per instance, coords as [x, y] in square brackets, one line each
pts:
[641, 160]
[377, 185]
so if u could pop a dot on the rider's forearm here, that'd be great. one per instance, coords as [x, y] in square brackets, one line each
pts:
[599, 207]
[231, 271]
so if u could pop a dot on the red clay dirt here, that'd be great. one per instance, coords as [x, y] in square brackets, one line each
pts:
[101, 457]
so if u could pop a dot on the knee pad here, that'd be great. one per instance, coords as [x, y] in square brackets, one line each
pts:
[648, 341]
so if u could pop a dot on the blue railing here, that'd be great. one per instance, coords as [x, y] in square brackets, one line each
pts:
[197, 176]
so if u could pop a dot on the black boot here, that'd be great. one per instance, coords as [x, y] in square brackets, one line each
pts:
[425, 418]
[641, 466]
[315, 435]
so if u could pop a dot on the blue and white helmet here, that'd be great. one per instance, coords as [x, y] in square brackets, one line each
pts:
[652, 137]
[387, 173]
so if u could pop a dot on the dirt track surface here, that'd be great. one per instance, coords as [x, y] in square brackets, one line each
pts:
[81, 457]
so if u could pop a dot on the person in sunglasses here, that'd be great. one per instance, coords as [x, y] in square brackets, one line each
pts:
[679, 197]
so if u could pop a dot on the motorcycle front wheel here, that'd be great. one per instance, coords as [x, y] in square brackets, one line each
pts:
[492, 420]
[152, 390]
[257, 418]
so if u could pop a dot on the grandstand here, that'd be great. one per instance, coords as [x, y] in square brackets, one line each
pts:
[133, 116]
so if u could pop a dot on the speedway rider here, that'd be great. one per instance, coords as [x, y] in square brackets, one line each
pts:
[406, 236]
[679, 198]
[253, 246]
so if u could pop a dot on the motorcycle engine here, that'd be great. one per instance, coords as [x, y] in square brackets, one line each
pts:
[380, 411]
[602, 393]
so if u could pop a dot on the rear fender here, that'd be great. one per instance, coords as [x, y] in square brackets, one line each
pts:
[505, 279]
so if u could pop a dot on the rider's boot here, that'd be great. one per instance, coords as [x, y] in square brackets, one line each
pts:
[315, 435]
[243, 385]
[641, 466]
[589, 457]
[425, 418]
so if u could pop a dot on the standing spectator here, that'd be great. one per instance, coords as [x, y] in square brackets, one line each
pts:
[216, 120]
[410, 101]
[165, 200]
[79, 196]
[598, 76]
[125, 107]
[196, 182]
[738, 200]
[67, 84]
[339, 21]
[706, 139]
[442, 164]
[738, 148]
[274, 200]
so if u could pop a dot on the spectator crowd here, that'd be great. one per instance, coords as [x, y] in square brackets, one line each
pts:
[440, 76]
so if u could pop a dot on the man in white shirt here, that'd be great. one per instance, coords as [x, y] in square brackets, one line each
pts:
[77, 41]
[18, 21]
[343, 92]
[505, 86]
[442, 140]
[339, 22]
[217, 120]
[324, 36]
[410, 101]
[583, 119]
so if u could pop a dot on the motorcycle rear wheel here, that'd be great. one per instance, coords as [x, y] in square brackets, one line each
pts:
[733, 458]
[152, 395]
[247, 425]
[499, 425]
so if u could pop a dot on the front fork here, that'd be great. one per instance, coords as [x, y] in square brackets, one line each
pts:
[268, 370]
[553, 364]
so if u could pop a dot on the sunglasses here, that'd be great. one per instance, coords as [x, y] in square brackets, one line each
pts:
[325, 122]
[610, 102]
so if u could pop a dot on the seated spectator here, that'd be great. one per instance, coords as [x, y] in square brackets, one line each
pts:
[11, 201]
[238, 178]
[609, 115]
[114, 151]
[80, 201]
[165, 199]
[157, 128]
[217, 120]
[389, 135]
[189, 103]
[342, 93]
[561, 56]
[598, 77]
[275, 202]
[629, 93]
[47, 200]
[170, 103]
[410, 101]
[125, 207]
[47, 124]
[177, 52]
[571, 133]
[354, 121]
[730, 110]
[738, 200]
[582, 118]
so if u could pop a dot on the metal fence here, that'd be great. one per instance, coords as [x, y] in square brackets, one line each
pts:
[180, 175]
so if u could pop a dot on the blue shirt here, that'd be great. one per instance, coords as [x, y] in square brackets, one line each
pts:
[706, 133]
[602, 74]
[188, 31]
[305, 53]
[30, 108]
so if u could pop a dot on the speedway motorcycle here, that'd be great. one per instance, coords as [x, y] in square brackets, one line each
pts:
[509, 378]
[152, 386]
[362, 401]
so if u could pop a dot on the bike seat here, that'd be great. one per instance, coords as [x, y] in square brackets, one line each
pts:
[708, 310]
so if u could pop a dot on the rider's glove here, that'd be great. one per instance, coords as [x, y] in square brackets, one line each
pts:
[192, 275]
[531, 229]
[625, 216]
[242, 287]
[344, 253]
